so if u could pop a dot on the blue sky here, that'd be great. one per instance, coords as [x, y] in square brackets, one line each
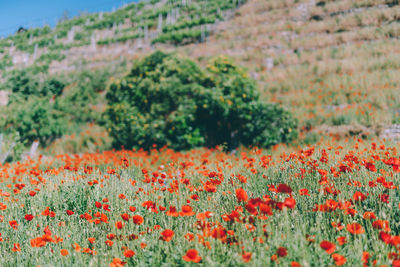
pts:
[34, 13]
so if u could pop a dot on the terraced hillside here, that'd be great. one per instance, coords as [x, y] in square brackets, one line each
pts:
[334, 64]
[126, 31]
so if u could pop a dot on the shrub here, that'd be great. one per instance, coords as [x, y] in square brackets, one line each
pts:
[21, 81]
[169, 100]
[34, 119]
[24, 84]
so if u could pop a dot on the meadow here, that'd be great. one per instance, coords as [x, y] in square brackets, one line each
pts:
[314, 82]
[321, 205]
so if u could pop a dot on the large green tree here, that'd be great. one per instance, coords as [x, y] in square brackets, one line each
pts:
[170, 100]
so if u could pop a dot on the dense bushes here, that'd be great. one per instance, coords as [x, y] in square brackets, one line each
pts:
[40, 109]
[35, 120]
[168, 100]
[24, 84]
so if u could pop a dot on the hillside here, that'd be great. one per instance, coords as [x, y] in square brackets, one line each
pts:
[334, 64]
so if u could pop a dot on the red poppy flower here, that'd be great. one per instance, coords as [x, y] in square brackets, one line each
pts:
[246, 256]
[192, 256]
[381, 224]
[241, 195]
[125, 216]
[167, 235]
[186, 211]
[358, 196]
[117, 262]
[282, 252]
[119, 225]
[129, 253]
[172, 212]
[328, 246]
[137, 219]
[38, 242]
[16, 247]
[355, 228]
[369, 215]
[284, 188]
[70, 212]
[341, 240]
[290, 203]
[339, 259]
[29, 217]
[132, 208]
[110, 236]
[385, 237]
[13, 224]
[303, 192]
[218, 233]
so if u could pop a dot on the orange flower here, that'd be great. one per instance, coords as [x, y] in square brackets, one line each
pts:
[327, 246]
[76, 247]
[241, 195]
[119, 225]
[117, 263]
[167, 235]
[369, 215]
[91, 240]
[192, 256]
[381, 224]
[189, 236]
[172, 212]
[341, 240]
[38, 242]
[13, 224]
[290, 203]
[109, 243]
[186, 211]
[129, 253]
[358, 196]
[137, 219]
[246, 256]
[355, 228]
[16, 247]
[339, 259]
[64, 252]
[125, 216]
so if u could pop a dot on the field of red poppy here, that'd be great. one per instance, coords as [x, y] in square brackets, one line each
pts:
[322, 205]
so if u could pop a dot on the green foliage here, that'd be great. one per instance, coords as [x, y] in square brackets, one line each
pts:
[35, 119]
[49, 57]
[180, 37]
[169, 100]
[11, 147]
[25, 83]
[190, 23]
[53, 86]
[6, 61]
